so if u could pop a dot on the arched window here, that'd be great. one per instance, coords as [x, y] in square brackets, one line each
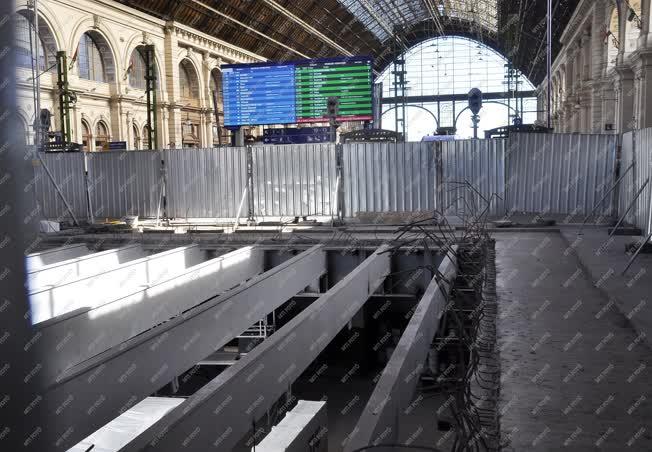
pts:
[613, 44]
[101, 137]
[24, 28]
[453, 65]
[86, 136]
[92, 59]
[137, 70]
[136, 132]
[633, 25]
[188, 82]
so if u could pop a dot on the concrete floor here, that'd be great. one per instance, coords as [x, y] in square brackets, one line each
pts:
[574, 375]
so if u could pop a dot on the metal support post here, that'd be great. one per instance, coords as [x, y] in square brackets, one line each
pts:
[549, 65]
[150, 79]
[64, 97]
[250, 187]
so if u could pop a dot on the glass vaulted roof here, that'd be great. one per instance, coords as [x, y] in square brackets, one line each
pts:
[382, 16]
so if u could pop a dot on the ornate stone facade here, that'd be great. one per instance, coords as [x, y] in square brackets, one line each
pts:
[116, 103]
[600, 81]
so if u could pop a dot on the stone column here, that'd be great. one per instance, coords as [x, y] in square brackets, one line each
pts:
[643, 71]
[172, 85]
[624, 88]
[129, 131]
[645, 40]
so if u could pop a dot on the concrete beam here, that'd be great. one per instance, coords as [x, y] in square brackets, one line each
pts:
[221, 413]
[96, 391]
[79, 267]
[79, 337]
[91, 292]
[114, 435]
[304, 428]
[395, 389]
[47, 257]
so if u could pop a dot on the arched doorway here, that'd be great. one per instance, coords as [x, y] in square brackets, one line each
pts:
[101, 137]
[86, 136]
[189, 94]
[136, 137]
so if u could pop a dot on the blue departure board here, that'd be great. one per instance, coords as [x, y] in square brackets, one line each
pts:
[297, 92]
[259, 95]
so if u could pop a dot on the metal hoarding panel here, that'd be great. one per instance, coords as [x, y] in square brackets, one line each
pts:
[205, 183]
[124, 183]
[480, 164]
[642, 140]
[560, 174]
[67, 169]
[389, 177]
[294, 180]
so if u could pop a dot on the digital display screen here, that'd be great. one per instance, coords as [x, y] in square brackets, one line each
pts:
[298, 92]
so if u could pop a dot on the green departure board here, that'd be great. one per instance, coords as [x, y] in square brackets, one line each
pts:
[350, 80]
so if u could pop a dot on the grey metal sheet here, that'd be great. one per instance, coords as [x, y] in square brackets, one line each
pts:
[389, 177]
[630, 183]
[642, 140]
[124, 183]
[480, 163]
[205, 183]
[294, 180]
[68, 172]
[560, 173]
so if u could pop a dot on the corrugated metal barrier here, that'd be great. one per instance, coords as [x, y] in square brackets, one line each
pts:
[560, 173]
[640, 152]
[533, 173]
[629, 185]
[480, 163]
[67, 170]
[389, 177]
[205, 183]
[124, 183]
[296, 180]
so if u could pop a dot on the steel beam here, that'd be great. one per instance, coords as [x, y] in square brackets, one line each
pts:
[82, 336]
[96, 391]
[79, 267]
[48, 257]
[309, 28]
[221, 413]
[247, 27]
[92, 292]
[454, 97]
[395, 389]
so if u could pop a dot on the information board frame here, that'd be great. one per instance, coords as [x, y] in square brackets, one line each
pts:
[297, 119]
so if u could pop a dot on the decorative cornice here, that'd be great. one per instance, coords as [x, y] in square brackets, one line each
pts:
[213, 45]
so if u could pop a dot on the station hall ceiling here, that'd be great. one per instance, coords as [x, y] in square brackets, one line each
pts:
[282, 30]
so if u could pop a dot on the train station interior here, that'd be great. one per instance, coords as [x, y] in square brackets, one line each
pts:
[325, 225]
